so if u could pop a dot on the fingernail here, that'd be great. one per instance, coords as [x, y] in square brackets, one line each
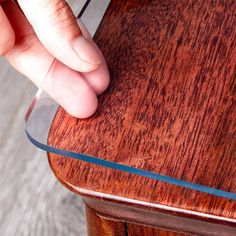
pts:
[86, 51]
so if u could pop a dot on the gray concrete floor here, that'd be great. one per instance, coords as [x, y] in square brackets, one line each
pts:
[32, 202]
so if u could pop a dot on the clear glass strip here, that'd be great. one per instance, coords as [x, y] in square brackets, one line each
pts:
[43, 110]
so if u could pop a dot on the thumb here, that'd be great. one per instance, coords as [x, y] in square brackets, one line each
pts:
[57, 29]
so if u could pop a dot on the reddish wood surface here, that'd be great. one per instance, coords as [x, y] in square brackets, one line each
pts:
[134, 230]
[170, 107]
[101, 226]
[98, 226]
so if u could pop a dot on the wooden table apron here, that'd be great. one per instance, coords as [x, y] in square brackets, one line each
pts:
[170, 109]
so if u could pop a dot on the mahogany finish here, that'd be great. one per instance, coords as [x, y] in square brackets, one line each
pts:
[170, 108]
[134, 230]
[98, 226]
[101, 226]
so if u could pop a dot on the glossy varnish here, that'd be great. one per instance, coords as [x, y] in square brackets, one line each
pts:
[170, 107]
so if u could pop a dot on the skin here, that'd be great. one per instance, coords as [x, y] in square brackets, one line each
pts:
[42, 40]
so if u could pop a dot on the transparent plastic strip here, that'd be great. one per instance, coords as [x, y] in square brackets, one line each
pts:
[43, 110]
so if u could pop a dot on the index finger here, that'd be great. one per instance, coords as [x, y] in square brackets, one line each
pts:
[56, 27]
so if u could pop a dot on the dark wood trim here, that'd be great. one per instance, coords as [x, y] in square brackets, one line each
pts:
[99, 225]
[158, 219]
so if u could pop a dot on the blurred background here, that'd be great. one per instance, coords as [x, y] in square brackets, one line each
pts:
[32, 202]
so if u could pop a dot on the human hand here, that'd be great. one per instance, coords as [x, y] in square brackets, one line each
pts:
[48, 46]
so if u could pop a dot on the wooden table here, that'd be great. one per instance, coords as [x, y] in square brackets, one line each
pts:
[170, 109]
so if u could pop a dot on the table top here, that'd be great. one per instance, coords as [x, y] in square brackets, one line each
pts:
[170, 108]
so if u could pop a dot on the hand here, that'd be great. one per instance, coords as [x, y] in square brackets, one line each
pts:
[48, 46]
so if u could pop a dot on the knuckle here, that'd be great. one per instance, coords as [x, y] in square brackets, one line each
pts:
[61, 15]
[22, 46]
[26, 43]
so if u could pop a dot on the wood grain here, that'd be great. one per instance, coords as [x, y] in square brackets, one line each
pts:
[134, 230]
[98, 226]
[103, 226]
[170, 107]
